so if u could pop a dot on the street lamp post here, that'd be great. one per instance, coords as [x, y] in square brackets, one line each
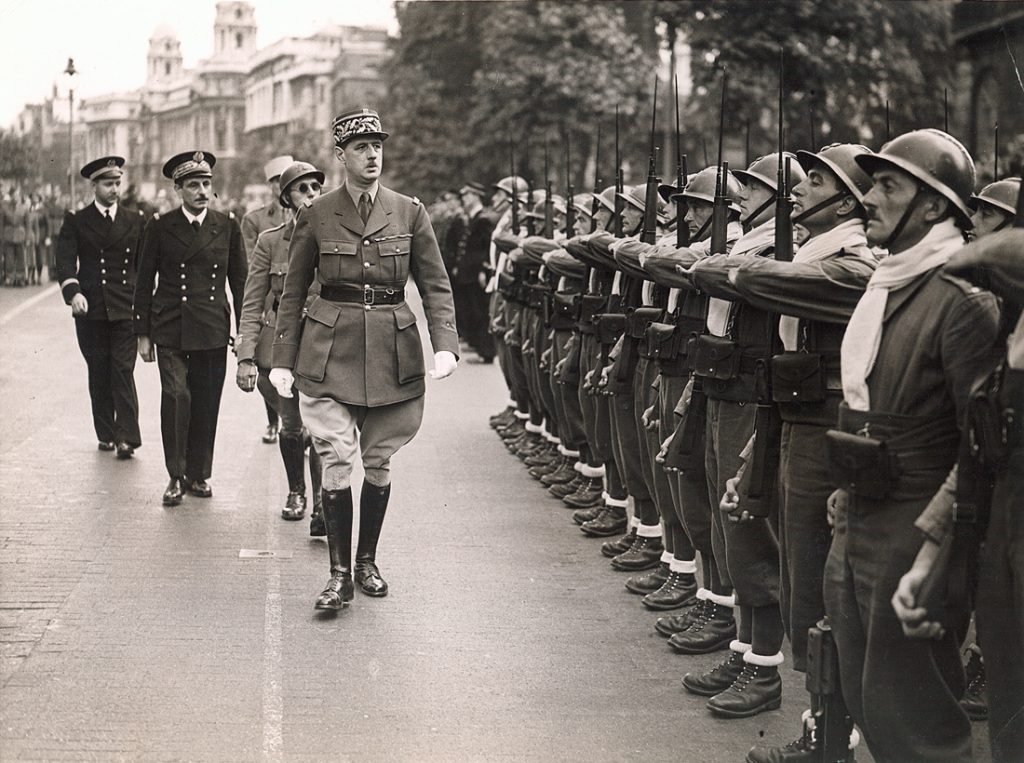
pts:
[71, 71]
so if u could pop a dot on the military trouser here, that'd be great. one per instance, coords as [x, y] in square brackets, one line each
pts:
[340, 430]
[530, 350]
[657, 479]
[595, 407]
[567, 401]
[1000, 612]
[903, 693]
[626, 447]
[496, 325]
[513, 366]
[804, 533]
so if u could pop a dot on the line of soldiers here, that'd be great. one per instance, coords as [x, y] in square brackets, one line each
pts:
[687, 382]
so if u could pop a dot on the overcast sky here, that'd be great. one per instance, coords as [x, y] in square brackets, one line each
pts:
[109, 38]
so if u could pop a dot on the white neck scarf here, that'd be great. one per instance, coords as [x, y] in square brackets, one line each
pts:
[847, 236]
[755, 240]
[864, 332]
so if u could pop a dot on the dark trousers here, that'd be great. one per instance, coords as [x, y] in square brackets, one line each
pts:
[109, 349]
[471, 316]
[626, 447]
[903, 693]
[804, 532]
[567, 401]
[1000, 612]
[191, 382]
[595, 408]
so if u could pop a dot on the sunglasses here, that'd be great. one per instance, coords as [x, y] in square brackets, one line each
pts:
[305, 187]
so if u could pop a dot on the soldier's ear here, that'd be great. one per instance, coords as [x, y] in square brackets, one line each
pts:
[339, 154]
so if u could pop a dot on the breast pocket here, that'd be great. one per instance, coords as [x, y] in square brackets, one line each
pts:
[337, 260]
[317, 340]
[394, 258]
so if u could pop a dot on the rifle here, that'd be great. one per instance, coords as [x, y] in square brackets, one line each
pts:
[995, 161]
[649, 230]
[549, 207]
[595, 204]
[757, 486]
[570, 207]
[682, 231]
[619, 184]
[827, 728]
[720, 210]
[515, 187]
[531, 227]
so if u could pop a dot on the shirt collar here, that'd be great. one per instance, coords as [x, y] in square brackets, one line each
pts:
[190, 217]
[103, 210]
[355, 194]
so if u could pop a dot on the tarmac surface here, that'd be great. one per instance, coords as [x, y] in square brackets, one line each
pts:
[133, 632]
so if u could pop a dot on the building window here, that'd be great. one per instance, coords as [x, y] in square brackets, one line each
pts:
[167, 68]
[238, 39]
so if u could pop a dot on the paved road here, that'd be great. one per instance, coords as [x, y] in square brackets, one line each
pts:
[129, 631]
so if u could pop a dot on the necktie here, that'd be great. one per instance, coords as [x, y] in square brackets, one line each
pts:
[196, 224]
[107, 219]
[364, 207]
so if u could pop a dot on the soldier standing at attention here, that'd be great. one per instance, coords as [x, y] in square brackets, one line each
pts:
[96, 254]
[268, 216]
[183, 322]
[357, 360]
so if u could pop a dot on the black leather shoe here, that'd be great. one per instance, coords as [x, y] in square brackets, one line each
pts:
[644, 554]
[368, 578]
[200, 488]
[174, 492]
[716, 680]
[612, 548]
[545, 456]
[317, 528]
[678, 591]
[975, 699]
[338, 593]
[511, 431]
[611, 520]
[270, 434]
[561, 475]
[294, 507]
[673, 624]
[590, 493]
[757, 688]
[562, 489]
[711, 631]
[105, 446]
[649, 581]
[125, 451]
[582, 516]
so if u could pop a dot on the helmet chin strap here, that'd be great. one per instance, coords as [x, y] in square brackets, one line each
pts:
[838, 196]
[904, 219]
[702, 231]
[747, 225]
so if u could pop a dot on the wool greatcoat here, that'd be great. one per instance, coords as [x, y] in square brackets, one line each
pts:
[361, 354]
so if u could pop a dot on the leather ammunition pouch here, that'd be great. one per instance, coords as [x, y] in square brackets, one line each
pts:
[798, 377]
[994, 425]
[639, 319]
[564, 311]
[535, 296]
[591, 306]
[660, 342]
[715, 357]
[609, 327]
[861, 464]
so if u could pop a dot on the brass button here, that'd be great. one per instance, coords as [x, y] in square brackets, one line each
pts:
[124, 282]
[102, 261]
[215, 266]
[211, 299]
[128, 249]
[213, 288]
[366, 308]
[183, 287]
[182, 275]
[335, 247]
[366, 242]
[366, 264]
[103, 271]
[398, 248]
[183, 264]
[104, 281]
[184, 299]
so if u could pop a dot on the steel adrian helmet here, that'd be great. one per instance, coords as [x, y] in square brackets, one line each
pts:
[512, 184]
[765, 169]
[701, 186]
[1002, 195]
[295, 172]
[936, 159]
[841, 159]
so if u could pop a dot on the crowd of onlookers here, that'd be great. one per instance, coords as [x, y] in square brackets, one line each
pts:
[30, 223]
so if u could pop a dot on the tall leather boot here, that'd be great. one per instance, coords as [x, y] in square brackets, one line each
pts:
[292, 453]
[317, 529]
[338, 518]
[373, 504]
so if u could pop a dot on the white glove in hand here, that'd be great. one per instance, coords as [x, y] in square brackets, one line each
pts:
[282, 380]
[444, 364]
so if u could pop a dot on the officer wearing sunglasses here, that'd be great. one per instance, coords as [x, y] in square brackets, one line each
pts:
[300, 184]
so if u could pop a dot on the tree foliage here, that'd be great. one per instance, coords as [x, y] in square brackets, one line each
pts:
[467, 78]
[18, 157]
[843, 61]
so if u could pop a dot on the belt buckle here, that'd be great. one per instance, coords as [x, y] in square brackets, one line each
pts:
[368, 295]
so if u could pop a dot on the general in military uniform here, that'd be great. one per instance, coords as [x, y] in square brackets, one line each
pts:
[182, 318]
[357, 357]
[96, 254]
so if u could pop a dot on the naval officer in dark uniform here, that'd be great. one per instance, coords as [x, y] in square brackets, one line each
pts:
[96, 253]
[357, 357]
[182, 318]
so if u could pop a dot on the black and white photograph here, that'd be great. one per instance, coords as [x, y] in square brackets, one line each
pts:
[512, 380]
